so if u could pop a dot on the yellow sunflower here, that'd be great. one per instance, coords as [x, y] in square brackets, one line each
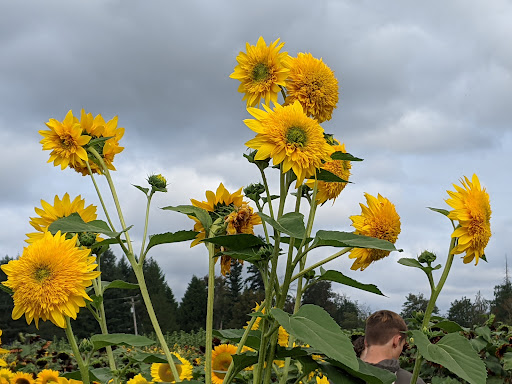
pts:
[313, 84]
[380, 220]
[22, 378]
[139, 379]
[331, 190]
[47, 376]
[221, 360]
[283, 336]
[472, 209]
[161, 372]
[261, 71]
[289, 137]
[96, 128]
[66, 140]
[322, 380]
[49, 279]
[60, 208]
[6, 375]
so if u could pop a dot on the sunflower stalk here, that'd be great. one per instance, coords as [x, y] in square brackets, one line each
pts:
[98, 192]
[82, 366]
[142, 256]
[209, 312]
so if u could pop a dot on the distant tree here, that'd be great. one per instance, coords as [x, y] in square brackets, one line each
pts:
[192, 309]
[501, 306]
[415, 303]
[462, 312]
[321, 294]
[254, 281]
[243, 306]
[481, 307]
[347, 314]
[235, 282]
[222, 304]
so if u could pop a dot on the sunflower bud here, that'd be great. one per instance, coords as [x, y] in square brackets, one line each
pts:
[158, 182]
[261, 164]
[85, 346]
[218, 227]
[87, 238]
[427, 257]
[254, 191]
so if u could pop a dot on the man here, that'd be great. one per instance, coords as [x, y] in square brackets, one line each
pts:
[385, 337]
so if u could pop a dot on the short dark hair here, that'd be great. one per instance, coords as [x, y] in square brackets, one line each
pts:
[382, 325]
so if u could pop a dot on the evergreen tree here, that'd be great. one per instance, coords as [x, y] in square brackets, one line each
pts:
[462, 312]
[481, 307]
[415, 303]
[347, 314]
[321, 294]
[234, 280]
[192, 310]
[245, 304]
[254, 281]
[501, 306]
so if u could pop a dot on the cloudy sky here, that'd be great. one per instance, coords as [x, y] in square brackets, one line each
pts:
[425, 92]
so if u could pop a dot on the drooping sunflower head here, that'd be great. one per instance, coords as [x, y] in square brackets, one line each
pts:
[221, 360]
[22, 378]
[261, 70]
[47, 376]
[331, 190]
[161, 372]
[472, 209]
[380, 220]
[49, 279]
[47, 214]
[313, 84]
[289, 137]
[66, 141]
[139, 379]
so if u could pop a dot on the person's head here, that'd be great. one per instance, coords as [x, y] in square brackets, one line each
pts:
[386, 328]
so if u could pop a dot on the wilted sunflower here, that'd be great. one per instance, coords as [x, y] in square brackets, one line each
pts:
[66, 140]
[313, 84]
[49, 279]
[48, 376]
[261, 71]
[161, 372]
[472, 209]
[139, 379]
[97, 128]
[331, 190]
[289, 137]
[221, 360]
[380, 220]
[22, 378]
[60, 208]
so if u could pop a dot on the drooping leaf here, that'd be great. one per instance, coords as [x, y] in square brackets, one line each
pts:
[314, 326]
[339, 277]
[366, 372]
[236, 242]
[349, 239]
[120, 284]
[74, 223]
[100, 341]
[338, 155]
[325, 175]
[249, 254]
[144, 190]
[291, 223]
[197, 212]
[455, 353]
[439, 210]
[170, 237]
[448, 326]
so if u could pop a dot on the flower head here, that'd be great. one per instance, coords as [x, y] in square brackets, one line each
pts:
[161, 372]
[330, 190]
[5, 375]
[380, 220]
[22, 378]
[49, 279]
[221, 360]
[47, 376]
[65, 140]
[472, 209]
[283, 336]
[261, 71]
[313, 84]
[60, 208]
[157, 181]
[139, 379]
[289, 137]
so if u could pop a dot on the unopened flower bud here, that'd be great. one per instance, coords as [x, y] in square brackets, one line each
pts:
[254, 191]
[262, 164]
[158, 182]
[85, 346]
[427, 257]
[218, 227]
[87, 238]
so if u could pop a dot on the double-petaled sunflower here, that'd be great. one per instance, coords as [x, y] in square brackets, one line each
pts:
[330, 190]
[66, 141]
[261, 71]
[60, 208]
[49, 279]
[221, 360]
[380, 220]
[161, 372]
[6, 375]
[47, 376]
[472, 209]
[313, 84]
[289, 137]
[22, 378]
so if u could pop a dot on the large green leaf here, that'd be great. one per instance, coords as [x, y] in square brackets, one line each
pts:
[455, 353]
[120, 284]
[325, 175]
[249, 254]
[339, 277]
[234, 335]
[344, 156]
[74, 223]
[242, 361]
[448, 326]
[349, 239]
[291, 223]
[199, 213]
[170, 237]
[485, 332]
[236, 242]
[366, 372]
[314, 326]
[100, 341]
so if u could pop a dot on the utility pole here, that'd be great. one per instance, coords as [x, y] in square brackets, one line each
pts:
[134, 317]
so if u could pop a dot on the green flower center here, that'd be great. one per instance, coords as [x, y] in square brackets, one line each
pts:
[297, 136]
[42, 274]
[260, 72]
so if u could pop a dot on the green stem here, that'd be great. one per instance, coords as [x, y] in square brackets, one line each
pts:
[84, 369]
[267, 191]
[322, 262]
[260, 209]
[146, 221]
[209, 314]
[99, 196]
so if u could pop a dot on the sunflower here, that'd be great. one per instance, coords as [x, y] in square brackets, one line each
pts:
[60, 208]
[161, 372]
[289, 137]
[66, 140]
[5, 375]
[472, 209]
[261, 71]
[139, 379]
[221, 360]
[22, 378]
[282, 337]
[378, 220]
[331, 190]
[313, 84]
[49, 279]
[47, 376]
[97, 128]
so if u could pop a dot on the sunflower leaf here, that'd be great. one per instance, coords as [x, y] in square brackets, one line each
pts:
[325, 175]
[441, 211]
[190, 210]
[120, 284]
[145, 190]
[338, 155]
[100, 341]
[74, 223]
[350, 239]
[170, 237]
[366, 372]
[238, 242]
[291, 223]
[339, 277]
[249, 254]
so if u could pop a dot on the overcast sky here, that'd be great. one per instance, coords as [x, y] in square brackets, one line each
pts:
[425, 92]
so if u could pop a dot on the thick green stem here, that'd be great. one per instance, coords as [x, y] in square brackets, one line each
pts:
[84, 369]
[322, 262]
[146, 221]
[100, 197]
[209, 314]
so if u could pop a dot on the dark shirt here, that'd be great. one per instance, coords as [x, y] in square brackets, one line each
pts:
[402, 376]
